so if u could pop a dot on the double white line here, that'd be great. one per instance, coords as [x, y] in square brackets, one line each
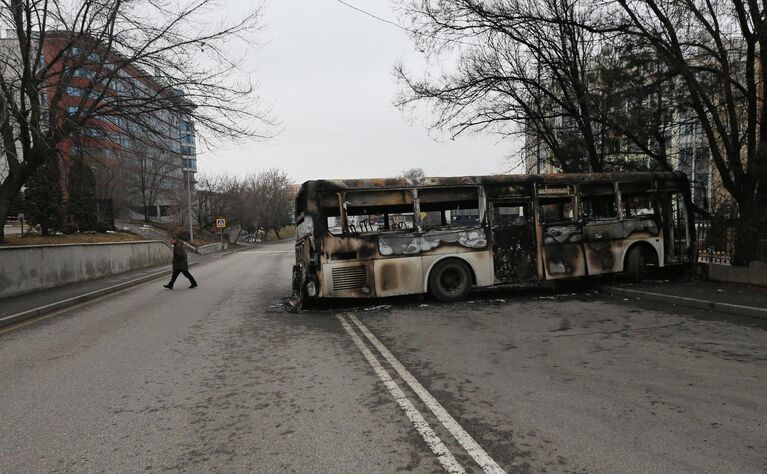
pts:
[443, 454]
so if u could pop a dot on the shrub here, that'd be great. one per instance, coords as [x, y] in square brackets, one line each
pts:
[103, 227]
[179, 232]
[71, 228]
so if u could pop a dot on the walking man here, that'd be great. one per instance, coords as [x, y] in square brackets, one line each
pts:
[180, 265]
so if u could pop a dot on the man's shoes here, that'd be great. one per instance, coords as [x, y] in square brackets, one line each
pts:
[193, 285]
[168, 287]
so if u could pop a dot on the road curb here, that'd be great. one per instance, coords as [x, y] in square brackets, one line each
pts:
[740, 310]
[49, 308]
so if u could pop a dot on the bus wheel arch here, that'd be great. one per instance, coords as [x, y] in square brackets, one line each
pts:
[638, 257]
[450, 279]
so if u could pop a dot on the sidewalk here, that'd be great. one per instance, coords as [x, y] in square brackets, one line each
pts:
[19, 308]
[30, 305]
[725, 297]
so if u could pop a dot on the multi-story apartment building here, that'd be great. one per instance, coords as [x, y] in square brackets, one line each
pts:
[143, 157]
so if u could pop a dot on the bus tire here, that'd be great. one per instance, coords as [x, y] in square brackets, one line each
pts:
[450, 280]
[636, 263]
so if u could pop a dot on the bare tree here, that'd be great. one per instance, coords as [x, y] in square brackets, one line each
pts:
[272, 200]
[74, 66]
[259, 201]
[717, 51]
[416, 175]
[149, 174]
[605, 86]
[217, 196]
[522, 65]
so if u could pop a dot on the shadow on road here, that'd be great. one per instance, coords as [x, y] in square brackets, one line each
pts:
[493, 295]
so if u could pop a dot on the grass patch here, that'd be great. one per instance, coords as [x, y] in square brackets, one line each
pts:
[70, 239]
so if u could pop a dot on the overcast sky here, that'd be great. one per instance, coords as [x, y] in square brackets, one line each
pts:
[327, 71]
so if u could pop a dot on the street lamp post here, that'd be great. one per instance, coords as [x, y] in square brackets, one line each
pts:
[189, 200]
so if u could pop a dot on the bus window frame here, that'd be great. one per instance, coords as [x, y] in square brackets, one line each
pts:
[344, 214]
[572, 194]
[582, 198]
[478, 195]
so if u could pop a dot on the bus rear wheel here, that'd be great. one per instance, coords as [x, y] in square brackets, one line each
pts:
[636, 264]
[450, 280]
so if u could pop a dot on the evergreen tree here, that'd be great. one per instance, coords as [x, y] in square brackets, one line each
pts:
[44, 199]
[82, 196]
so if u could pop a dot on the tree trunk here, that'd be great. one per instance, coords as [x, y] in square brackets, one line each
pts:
[9, 189]
[5, 204]
[746, 234]
[277, 232]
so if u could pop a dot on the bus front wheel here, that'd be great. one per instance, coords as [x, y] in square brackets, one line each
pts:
[450, 280]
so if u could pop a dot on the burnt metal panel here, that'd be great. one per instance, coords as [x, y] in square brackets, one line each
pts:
[668, 178]
[375, 198]
[398, 276]
[563, 250]
[415, 243]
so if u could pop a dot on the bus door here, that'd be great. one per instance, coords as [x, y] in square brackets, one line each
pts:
[603, 231]
[513, 232]
[561, 232]
[676, 228]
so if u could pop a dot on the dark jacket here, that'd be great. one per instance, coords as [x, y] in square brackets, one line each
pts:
[179, 257]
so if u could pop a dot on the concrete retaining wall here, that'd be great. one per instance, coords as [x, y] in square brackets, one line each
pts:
[211, 248]
[36, 267]
[754, 274]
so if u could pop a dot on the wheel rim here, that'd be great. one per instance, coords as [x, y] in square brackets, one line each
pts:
[451, 280]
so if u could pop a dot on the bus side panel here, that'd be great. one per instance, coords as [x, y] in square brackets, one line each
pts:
[398, 276]
[655, 242]
[606, 243]
[562, 250]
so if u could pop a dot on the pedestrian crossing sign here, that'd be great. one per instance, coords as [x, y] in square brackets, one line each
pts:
[220, 223]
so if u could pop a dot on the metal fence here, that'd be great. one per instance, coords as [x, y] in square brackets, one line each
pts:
[716, 241]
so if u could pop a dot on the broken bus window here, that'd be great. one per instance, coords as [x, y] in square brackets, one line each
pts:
[598, 201]
[449, 207]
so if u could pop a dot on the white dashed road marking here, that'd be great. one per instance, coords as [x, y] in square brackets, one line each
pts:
[464, 439]
[421, 425]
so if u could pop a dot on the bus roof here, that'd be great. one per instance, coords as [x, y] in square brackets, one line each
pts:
[378, 183]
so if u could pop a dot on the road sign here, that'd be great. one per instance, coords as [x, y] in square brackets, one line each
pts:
[220, 223]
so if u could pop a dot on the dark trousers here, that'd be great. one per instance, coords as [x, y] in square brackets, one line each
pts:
[186, 274]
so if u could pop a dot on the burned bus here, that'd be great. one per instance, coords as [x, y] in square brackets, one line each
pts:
[385, 237]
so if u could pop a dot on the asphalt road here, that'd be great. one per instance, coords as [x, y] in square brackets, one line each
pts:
[222, 378]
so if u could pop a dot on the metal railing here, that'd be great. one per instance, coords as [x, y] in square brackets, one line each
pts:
[715, 241]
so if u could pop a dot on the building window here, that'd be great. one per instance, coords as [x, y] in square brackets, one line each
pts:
[82, 72]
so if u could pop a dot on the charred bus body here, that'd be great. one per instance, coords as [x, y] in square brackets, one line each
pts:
[386, 237]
